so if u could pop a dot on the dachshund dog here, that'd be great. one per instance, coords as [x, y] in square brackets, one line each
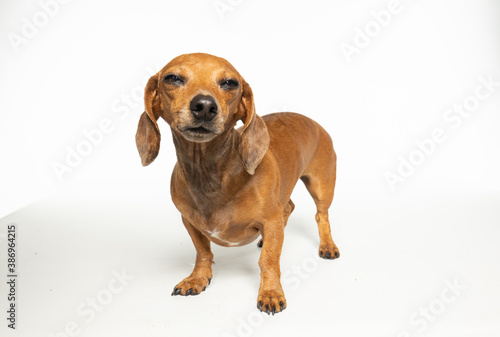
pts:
[232, 185]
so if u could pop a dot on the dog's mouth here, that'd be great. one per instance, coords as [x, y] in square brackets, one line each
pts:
[199, 130]
[198, 134]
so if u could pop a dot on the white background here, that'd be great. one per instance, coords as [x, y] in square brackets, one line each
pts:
[88, 63]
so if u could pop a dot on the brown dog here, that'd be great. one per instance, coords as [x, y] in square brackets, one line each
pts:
[233, 185]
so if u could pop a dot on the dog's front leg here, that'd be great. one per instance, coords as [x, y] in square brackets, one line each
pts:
[271, 298]
[202, 272]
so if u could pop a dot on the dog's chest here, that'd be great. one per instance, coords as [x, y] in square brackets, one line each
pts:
[227, 216]
[227, 226]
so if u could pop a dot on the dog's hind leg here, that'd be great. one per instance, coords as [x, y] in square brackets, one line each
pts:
[319, 178]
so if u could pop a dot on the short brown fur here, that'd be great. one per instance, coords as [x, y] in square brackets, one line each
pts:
[231, 185]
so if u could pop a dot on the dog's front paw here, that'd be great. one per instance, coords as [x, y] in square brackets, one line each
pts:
[191, 285]
[329, 251]
[271, 301]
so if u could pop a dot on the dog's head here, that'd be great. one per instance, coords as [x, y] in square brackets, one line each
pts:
[201, 96]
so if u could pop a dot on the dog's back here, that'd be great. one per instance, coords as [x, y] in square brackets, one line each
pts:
[301, 148]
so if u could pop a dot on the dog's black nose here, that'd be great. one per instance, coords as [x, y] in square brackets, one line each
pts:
[203, 107]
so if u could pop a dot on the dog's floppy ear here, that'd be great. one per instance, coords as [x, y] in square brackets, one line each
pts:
[254, 138]
[148, 137]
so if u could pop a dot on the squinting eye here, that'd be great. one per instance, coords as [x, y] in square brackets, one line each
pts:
[173, 79]
[229, 84]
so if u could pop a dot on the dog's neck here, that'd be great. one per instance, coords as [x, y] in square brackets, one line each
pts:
[211, 167]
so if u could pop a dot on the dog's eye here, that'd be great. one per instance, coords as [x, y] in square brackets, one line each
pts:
[229, 84]
[173, 79]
